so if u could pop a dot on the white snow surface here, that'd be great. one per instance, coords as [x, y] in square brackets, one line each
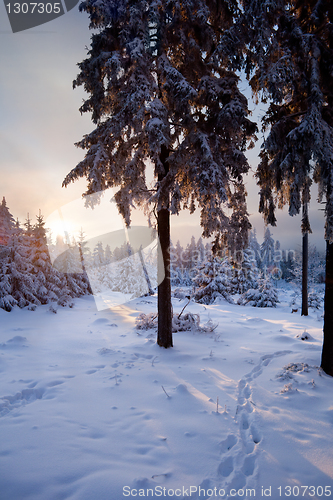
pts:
[93, 409]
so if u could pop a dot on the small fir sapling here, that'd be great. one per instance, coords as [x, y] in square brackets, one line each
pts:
[264, 296]
[212, 281]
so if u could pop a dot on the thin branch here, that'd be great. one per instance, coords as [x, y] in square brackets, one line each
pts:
[165, 391]
[181, 312]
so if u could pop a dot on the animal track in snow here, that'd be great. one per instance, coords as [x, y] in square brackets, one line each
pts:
[9, 403]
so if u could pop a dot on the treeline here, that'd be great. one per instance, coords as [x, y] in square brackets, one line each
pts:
[266, 259]
[27, 277]
[34, 270]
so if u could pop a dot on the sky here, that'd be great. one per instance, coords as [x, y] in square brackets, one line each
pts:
[40, 122]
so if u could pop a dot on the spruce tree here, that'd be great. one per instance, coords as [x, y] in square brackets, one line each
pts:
[265, 295]
[213, 281]
[20, 287]
[7, 223]
[290, 47]
[50, 283]
[245, 274]
[267, 252]
[17, 283]
[160, 88]
[254, 247]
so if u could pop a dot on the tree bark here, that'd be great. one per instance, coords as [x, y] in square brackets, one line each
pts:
[145, 272]
[89, 289]
[305, 258]
[327, 352]
[164, 306]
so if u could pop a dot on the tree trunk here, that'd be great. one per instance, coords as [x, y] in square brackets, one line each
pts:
[86, 279]
[145, 272]
[327, 352]
[164, 306]
[305, 258]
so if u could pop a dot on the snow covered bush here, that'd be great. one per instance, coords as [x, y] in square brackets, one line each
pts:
[264, 296]
[146, 321]
[315, 300]
[185, 322]
[180, 323]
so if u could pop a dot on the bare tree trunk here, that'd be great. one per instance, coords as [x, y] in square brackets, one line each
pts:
[89, 289]
[305, 248]
[164, 306]
[305, 260]
[145, 272]
[327, 352]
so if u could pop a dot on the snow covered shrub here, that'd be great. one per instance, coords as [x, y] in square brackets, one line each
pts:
[288, 388]
[305, 336]
[212, 281]
[65, 300]
[190, 321]
[185, 322]
[180, 322]
[315, 300]
[179, 293]
[146, 321]
[264, 296]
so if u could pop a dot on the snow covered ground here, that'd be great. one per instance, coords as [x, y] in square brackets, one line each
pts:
[92, 409]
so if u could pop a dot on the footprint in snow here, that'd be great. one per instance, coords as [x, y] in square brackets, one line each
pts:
[105, 350]
[255, 433]
[14, 343]
[95, 369]
[228, 443]
[249, 465]
[238, 482]
[100, 321]
[226, 467]
[247, 392]
[55, 383]
[9, 403]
